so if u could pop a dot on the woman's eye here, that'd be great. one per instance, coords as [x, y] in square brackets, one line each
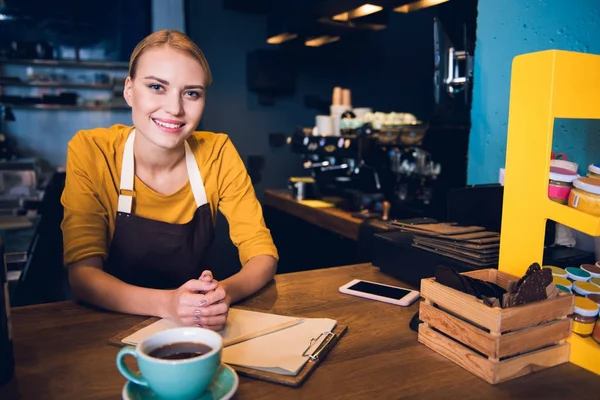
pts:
[155, 87]
[192, 94]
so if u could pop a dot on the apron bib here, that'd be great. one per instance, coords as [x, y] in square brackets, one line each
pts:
[155, 254]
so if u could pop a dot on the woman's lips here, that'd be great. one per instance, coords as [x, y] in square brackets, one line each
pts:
[168, 127]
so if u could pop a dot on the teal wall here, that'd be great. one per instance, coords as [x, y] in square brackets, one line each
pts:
[506, 29]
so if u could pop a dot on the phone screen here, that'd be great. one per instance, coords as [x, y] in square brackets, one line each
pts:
[380, 290]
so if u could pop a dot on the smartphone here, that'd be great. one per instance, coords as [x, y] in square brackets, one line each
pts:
[381, 292]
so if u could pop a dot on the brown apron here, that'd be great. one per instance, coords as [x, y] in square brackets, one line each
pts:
[156, 254]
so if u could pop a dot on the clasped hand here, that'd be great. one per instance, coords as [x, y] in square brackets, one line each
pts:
[200, 302]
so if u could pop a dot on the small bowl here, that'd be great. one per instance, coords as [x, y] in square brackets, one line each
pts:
[577, 274]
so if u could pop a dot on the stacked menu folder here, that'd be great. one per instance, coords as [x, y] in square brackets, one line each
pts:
[471, 244]
[280, 356]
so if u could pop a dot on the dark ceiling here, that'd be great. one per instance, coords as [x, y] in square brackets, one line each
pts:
[313, 17]
[310, 18]
[331, 7]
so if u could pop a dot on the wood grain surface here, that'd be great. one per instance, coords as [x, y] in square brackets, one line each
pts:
[333, 219]
[62, 351]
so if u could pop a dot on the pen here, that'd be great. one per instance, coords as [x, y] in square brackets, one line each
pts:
[261, 332]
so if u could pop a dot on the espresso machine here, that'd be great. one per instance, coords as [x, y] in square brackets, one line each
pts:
[409, 166]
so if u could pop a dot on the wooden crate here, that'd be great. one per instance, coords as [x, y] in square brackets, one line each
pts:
[493, 343]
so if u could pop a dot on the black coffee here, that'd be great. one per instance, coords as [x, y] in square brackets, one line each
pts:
[179, 351]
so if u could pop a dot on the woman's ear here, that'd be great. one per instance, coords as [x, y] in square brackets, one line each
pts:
[127, 90]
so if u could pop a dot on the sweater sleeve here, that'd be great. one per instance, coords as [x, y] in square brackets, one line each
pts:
[85, 222]
[241, 208]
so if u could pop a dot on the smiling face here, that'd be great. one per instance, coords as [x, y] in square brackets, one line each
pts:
[167, 96]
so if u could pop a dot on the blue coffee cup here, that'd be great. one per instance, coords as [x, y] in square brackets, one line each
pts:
[185, 378]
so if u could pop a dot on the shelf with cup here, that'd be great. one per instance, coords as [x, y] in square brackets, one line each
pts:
[59, 85]
[68, 107]
[573, 218]
[544, 85]
[66, 63]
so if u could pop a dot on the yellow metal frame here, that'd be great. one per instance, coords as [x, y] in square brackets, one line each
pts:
[544, 85]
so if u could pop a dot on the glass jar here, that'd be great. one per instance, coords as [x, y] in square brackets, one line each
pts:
[585, 196]
[556, 271]
[594, 171]
[560, 184]
[596, 332]
[584, 316]
[594, 270]
[595, 298]
[563, 288]
[577, 274]
[562, 281]
[585, 288]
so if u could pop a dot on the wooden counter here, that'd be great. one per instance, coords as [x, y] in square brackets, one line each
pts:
[332, 218]
[62, 351]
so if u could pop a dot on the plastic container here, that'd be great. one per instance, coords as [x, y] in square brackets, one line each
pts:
[592, 269]
[585, 288]
[557, 271]
[563, 282]
[595, 281]
[577, 274]
[585, 196]
[560, 184]
[584, 316]
[594, 171]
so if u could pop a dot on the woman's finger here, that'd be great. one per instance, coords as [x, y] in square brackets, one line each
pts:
[216, 295]
[215, 328]
[206, 276]
[197, 285]
[190, 299]
[213, 309]
[215, 320]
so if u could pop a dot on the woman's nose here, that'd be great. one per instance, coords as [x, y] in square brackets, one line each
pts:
[173, 104]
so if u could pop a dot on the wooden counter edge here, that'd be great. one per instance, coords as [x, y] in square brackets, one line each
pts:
[332, 219]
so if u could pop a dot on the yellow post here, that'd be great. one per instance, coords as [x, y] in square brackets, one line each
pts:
[544, 86]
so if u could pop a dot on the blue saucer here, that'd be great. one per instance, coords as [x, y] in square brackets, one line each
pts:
[223, 387]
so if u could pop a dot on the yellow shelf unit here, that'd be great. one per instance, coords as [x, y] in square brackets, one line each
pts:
[544, 85]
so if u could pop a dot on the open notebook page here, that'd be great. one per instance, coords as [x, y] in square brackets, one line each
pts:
[278, 352]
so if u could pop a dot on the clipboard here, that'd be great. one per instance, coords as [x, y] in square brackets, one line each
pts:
[314, 358]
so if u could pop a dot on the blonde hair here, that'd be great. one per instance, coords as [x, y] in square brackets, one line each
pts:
[176, 40]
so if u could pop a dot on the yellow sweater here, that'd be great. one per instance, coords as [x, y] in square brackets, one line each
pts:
[94, 159]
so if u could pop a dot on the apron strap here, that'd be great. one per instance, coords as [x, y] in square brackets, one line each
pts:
[194, 175]
[128, 174]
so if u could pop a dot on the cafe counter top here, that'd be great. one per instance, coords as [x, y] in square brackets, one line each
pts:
[62, 351]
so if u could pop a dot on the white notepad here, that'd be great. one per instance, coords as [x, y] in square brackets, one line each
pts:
[279, 352]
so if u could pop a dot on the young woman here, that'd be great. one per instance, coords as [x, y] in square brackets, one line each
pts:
[140, 202]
